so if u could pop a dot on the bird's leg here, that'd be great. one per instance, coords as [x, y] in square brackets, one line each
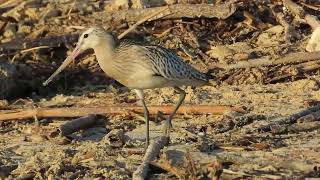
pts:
[146, 114]
[168, 124]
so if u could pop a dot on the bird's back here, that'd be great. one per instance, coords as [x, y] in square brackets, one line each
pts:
[169, 65]
[161, 66]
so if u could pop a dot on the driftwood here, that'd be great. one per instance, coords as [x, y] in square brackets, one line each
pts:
[298, 57]
[152, 152]
[77, 124]
[178, 11]
[280, 126]
[76, 112]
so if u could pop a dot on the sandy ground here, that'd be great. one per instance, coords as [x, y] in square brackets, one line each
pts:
[239, 147]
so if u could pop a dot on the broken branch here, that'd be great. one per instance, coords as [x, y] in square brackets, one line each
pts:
[152, 152]
[76, 111]
[77, 124]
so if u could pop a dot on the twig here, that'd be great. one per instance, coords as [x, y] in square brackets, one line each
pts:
[34, 48]
[70, 10]
[78, 111]
[77, 124]
[298, 57]
[143, 20]
[152, 152]
[232, 148]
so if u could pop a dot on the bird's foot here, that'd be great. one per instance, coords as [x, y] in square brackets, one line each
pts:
[167, 126]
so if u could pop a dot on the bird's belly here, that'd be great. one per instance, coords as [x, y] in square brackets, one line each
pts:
[148, 82]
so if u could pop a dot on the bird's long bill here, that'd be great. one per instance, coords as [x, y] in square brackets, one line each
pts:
[65, 63]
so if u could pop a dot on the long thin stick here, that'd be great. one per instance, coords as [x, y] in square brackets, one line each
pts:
[142, 21]
[83, 111]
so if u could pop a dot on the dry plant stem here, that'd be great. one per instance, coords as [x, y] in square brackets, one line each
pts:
[77, 124]
[301, 14]
[76, 112]
[298, 57]
[151, 154]
[35, 48]
[143, 20]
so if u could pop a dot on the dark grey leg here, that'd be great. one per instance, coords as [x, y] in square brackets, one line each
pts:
[168, 124]
[146, 114]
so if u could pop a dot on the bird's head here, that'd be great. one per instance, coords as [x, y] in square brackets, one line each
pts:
[89, 39]
[92, 38]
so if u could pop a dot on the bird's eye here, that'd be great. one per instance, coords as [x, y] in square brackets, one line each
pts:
[85, 35]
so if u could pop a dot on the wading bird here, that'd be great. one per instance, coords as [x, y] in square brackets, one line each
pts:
[137, 66]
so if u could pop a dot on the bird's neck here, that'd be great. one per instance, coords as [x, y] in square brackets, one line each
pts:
[105, 53]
